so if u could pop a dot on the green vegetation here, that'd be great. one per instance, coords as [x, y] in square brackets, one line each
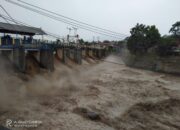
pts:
[81, 41]
[175, 30]
[165, 48]
[143, 38]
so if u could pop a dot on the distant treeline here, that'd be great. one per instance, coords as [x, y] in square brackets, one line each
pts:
[146, 39]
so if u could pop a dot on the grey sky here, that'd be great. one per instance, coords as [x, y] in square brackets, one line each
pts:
[115, 15]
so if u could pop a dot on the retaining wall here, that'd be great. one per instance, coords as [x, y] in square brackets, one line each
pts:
[150, 61]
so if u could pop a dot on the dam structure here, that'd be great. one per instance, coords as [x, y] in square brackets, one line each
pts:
[28, 54]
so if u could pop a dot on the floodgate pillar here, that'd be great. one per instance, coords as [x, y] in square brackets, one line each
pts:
[47, 59]
[78, 56]
[19, 59]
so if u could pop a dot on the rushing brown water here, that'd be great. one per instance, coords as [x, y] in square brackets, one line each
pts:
[123, 97]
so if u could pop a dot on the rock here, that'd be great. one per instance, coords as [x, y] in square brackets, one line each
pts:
[87, 113]
[93, 116]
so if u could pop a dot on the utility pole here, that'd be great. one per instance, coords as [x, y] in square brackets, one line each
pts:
[76, 36]
[72, 38]
[69, 30]
[98, 39]
[93, 39]
[68, 36]
[75, 31]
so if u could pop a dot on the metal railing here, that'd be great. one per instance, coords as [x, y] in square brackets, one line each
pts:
[10, 43]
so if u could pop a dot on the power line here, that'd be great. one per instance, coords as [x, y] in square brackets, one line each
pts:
[115, 33]
[7, 13]
[11, 19]
[59, 19]
[5, 16]
[62, 20]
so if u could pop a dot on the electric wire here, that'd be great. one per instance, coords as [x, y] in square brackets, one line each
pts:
[70, 18]
[7, 13]
[62, 20]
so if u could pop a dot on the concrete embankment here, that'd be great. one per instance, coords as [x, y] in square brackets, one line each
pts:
[150, 61]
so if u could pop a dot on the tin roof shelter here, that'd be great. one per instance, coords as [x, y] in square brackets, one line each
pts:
[20, 29]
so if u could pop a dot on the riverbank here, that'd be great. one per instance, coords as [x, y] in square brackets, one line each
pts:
[150, 61]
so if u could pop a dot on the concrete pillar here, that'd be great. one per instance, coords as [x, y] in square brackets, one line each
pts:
[91, 53]
[100, 53]
[47, 59]
[94, 52]
[19, 59]
[103, 52]
[68, 52]
[87, 51]
[32, 63]
[106, 52]
[84, 53]
[78, 56]
[64, 59]
[72, 54]
[59, 54]
[65, 54]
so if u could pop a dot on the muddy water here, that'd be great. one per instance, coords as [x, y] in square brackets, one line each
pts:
[123, 97]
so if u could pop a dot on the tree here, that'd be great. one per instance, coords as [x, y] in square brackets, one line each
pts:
[152, 36]
[175, 29]
[142, 38]
[81, 41]
[165, 48]
[137, 39]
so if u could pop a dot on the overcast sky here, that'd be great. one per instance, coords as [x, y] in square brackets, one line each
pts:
[116, 15]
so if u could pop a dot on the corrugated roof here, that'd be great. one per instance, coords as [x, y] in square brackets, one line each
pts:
[18, 29]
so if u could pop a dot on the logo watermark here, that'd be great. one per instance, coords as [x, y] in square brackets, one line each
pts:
[23, 123]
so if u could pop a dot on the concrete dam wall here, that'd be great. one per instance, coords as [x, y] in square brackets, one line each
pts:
[30, 61]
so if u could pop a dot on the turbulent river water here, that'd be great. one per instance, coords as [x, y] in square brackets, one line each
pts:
[123, 98]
